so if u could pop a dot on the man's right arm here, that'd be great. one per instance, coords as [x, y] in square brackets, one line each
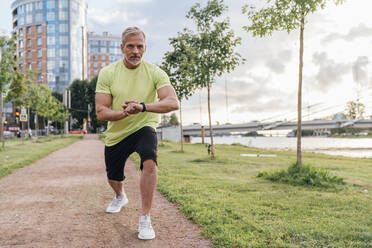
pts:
[103, 110]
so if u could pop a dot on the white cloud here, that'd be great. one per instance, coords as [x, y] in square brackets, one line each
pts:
[108, 17]
[360, 31]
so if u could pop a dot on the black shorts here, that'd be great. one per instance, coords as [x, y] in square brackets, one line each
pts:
[143, 141]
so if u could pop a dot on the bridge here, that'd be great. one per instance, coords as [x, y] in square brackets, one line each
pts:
[280, 125]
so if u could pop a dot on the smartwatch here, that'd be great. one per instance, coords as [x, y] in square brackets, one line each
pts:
[143, 107]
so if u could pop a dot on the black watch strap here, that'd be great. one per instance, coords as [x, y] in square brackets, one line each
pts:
[143, 107]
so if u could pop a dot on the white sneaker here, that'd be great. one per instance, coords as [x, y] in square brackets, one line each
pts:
[145, 230]
[116, 204]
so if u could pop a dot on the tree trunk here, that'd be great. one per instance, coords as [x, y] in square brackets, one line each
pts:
[1, 119]
[181, 126]
[210, 121]
[299, 104]
[36, 125]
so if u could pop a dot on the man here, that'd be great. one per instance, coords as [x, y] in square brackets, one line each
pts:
[126, 97]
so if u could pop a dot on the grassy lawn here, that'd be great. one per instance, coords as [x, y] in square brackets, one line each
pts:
[18, 153]
[237, 209]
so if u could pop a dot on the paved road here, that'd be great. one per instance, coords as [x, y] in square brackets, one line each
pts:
[60, 200]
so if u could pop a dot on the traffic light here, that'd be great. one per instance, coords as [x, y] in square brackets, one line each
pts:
[17, 113]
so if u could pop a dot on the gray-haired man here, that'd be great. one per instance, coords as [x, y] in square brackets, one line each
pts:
[127, 96]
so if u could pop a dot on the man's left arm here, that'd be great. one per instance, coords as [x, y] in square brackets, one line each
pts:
[168, 102]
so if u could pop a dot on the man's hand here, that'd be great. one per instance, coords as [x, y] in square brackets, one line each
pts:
[124, 106]
[132, 108]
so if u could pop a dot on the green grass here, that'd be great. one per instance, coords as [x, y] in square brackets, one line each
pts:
[236, 208]
[19, 153]
[305, 175]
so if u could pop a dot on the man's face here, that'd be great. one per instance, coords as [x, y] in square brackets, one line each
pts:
[134, 48]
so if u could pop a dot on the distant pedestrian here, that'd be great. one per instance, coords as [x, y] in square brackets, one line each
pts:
[126, 97]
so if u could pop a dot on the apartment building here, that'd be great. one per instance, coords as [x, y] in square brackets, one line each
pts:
[103, 50]
[52, 40]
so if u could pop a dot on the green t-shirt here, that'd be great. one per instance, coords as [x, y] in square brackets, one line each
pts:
[123, 84]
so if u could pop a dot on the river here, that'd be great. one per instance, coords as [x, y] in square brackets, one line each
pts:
[352, 147]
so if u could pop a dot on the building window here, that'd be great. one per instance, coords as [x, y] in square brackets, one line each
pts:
[51, 16]
[64, 77]
[39, 53]
[21, 32]
[38, 17]
[95, 64]
[63, 4]
[28, 19]
[51, 28]
[103, 50]
[29, 7]
[63, 52]
[63, 65]
[51, 65]
[95, 72]
[103, 57]
[39, 77]
[21, 44]
[63, 28]
[21, 9]
[63, 40]
[28, 29]
[51, 52]
[28, 54]
[39, 41]
[29, 43]
[51, 4]
[39, 67]
[51, 40]
[29, 66]
[62, 15]
[39, 5]
[38, 29]
[21, 20]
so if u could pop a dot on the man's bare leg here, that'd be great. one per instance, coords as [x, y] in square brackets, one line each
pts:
[149, 178]
[117, 186]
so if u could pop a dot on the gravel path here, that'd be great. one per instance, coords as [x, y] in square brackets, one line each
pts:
[60, 201]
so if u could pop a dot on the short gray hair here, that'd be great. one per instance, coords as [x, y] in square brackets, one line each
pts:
[132, 30]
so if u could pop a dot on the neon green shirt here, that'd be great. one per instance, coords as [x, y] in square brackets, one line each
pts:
[123, 84]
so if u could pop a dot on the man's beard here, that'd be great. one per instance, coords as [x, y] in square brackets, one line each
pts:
[134, 63]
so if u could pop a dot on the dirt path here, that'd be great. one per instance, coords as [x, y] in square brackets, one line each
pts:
[60, 201]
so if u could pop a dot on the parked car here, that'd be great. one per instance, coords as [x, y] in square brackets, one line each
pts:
[78, 131]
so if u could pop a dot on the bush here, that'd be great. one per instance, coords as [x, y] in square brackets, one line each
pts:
[304, 175]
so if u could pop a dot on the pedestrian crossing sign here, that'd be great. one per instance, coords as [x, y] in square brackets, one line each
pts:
[23, 117]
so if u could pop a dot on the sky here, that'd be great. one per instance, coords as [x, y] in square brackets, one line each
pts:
[337, 58]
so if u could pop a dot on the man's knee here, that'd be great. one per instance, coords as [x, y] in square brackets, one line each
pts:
[149, 166]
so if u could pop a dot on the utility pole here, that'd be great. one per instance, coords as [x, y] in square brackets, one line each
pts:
[89, 120]
[82, 54]
[227, 104]
[200, 108]
[2, 112]
[67, 103]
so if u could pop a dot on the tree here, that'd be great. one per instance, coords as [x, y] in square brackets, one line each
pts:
[58, 96]
[180, 67]
[79, 101]
[82, 95]
[8, 63]
[354, 110]
[95, 123]
[285, 15]
[215, 44]
[173, 120]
